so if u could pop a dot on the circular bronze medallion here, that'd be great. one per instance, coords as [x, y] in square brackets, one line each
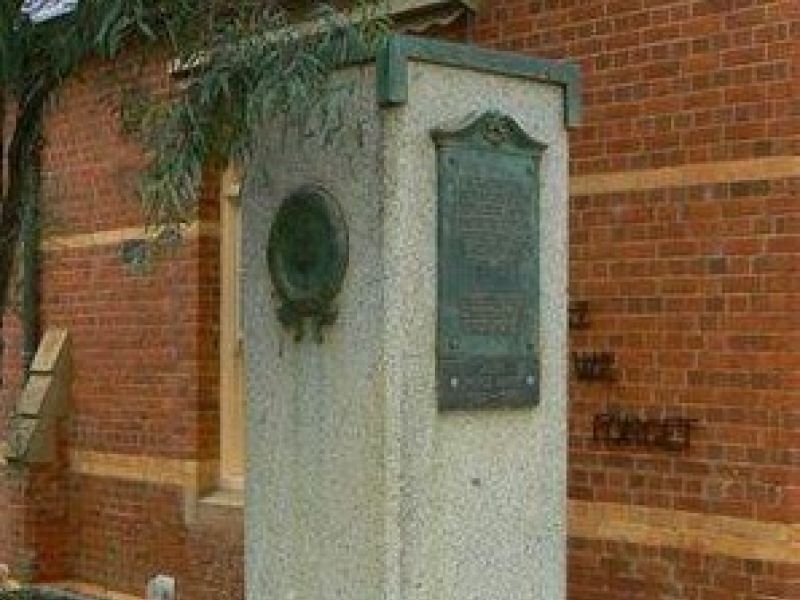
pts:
[307, 256]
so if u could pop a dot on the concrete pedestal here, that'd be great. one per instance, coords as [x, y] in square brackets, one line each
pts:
[357, 486]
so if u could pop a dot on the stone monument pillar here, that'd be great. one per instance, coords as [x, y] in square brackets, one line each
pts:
[405, 321]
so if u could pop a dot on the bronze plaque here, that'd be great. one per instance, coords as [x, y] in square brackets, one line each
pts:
[488, 265]
[307, 257]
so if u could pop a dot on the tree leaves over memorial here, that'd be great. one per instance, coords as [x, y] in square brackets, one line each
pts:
[245, 63]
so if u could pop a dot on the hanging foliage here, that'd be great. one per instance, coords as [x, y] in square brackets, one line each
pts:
[248, 68]
[247, 61]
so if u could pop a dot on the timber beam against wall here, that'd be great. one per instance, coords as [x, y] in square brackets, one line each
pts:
[32, 435]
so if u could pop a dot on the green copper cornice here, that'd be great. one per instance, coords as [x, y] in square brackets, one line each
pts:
[392, 69]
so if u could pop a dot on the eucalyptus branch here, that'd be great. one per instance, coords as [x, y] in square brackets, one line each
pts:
[257, 69]
[254, 65]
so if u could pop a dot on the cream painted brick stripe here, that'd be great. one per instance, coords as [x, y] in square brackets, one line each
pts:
[95, 591]
[683, 530]
[142, 468]
[80, 587]
[695, 532]
[115, 236]
[773, 167]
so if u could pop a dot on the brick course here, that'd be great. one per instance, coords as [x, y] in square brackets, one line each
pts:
[144, 365]
[689, 263]
[692, 285]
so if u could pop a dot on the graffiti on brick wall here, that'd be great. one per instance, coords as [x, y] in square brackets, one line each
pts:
[667, 433]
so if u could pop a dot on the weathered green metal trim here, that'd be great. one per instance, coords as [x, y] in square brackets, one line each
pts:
[392, 73]
[392, 69]
[573, 99]
[491, 130]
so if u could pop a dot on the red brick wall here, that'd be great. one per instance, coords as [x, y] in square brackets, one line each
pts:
[602, 570]
[666, 82]
[12, 517]
[692, 281]
[144, 363]
[694, 286]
